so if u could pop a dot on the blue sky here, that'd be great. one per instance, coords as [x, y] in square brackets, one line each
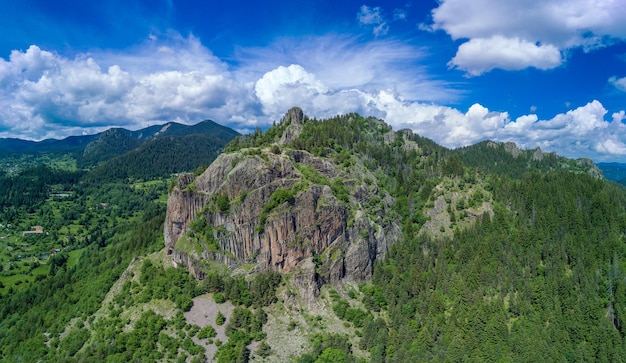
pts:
[547, 73]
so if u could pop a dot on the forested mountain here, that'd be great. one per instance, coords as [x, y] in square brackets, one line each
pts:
[336, 240]
[90, 150]
[508, 159]
[69, 144]
[161, 157]
[117, 142]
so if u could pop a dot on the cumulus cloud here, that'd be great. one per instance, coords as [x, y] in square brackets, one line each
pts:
[446, 125]
[480, 55]
[43, 94]
[28, 65]
[343, 62]
[522, 24]
[42, 91]
[582, 132]
[284, 87]
[47, 95]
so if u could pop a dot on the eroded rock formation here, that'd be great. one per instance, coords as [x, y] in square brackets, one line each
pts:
[311, 231]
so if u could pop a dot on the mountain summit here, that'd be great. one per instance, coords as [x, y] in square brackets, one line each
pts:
[278, 207]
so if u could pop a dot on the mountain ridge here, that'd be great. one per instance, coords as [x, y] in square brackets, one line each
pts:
[265, 188]
[95, 148]
[507, 158]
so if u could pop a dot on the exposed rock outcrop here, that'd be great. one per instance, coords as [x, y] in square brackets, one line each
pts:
[537, 154]
[512, 149]
[294, 119]
[590, 166]
[282, 214]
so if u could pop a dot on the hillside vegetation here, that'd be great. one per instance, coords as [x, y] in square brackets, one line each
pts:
[504, 255]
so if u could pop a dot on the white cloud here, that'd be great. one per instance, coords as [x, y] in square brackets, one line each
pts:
[399, 14]
[582, 132]
[43, 94]
[555, 24]
[612, 146]
[283, 87]
[370, 16]
[28, 65]
[619, 83]
[373, 17]
[446, 125]
[343, 62]
[480, 55]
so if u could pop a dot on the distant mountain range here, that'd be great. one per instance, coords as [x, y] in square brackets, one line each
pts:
[69, 144]
[114, 141]
[154, 151]
[202, 142]
[614, 171]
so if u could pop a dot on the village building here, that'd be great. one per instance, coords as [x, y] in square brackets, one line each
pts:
[35, 230]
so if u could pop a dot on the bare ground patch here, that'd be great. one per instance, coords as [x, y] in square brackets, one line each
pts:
[292, 322]
[203, 313]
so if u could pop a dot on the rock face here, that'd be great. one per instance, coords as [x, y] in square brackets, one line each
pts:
[295, 119]
[512, 149]
[282, 214]
[592, 168]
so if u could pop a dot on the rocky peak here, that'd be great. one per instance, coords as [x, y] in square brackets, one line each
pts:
[294, 115]
[512, 149]
[289, 212]
[294, 119]
[538, 154]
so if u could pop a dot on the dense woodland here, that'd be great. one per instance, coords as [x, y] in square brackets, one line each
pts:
[543, 278]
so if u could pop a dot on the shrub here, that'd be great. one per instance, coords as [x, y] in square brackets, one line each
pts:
[223, 203]
[220, 319]
[207, 332]
[219, 297]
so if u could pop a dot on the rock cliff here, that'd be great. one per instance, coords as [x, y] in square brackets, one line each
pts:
[282, 209]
